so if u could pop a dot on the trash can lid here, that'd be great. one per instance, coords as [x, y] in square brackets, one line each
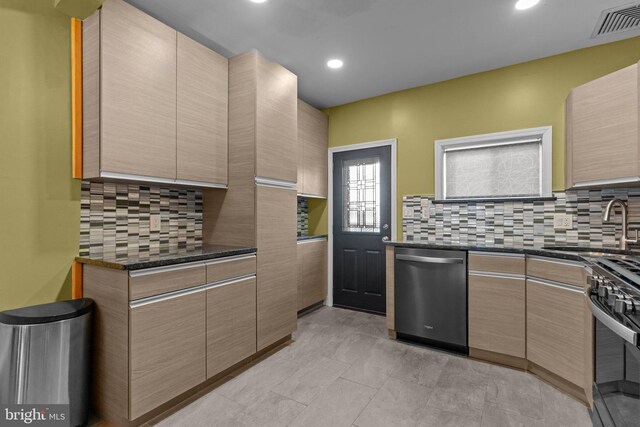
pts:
[47, 313]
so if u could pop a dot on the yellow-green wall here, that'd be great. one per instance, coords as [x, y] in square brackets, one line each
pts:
[521, 96]
[40, 212]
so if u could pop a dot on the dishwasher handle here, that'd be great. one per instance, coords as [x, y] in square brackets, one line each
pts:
[429, 260]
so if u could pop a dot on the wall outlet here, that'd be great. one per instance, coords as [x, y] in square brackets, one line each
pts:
[407, 213]
[154, 223]
[562, 222]
[424, 212]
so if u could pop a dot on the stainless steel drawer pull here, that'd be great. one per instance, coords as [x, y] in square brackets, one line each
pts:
[429, 260]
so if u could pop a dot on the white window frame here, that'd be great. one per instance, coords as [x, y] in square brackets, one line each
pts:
[493, 139]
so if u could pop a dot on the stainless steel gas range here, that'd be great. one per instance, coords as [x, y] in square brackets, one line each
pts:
[615, 303]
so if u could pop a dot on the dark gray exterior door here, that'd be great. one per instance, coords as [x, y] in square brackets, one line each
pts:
[361, 218]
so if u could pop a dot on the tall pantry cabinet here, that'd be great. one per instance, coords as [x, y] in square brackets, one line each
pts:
[259, 207]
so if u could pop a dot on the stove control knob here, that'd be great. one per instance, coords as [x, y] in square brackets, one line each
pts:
[623, 305]
[612, 297]
[603, 291]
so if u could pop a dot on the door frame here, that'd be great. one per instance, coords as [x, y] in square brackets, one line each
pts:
[393, 143]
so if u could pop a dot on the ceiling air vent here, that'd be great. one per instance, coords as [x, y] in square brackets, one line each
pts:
[618, 19]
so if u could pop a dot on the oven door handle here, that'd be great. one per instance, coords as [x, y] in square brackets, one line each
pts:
[616, 327]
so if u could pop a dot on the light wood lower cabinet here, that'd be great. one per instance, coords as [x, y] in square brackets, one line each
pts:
[277, 277]
[167, 350]
[150, 350]
[231, 324]
[312, 272]
[556, 336]
[497, 314]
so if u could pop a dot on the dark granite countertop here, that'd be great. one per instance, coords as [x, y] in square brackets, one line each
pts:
[571, 253]
[319, 237]
[125, 262]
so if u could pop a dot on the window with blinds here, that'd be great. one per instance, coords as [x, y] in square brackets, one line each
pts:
[505, 165]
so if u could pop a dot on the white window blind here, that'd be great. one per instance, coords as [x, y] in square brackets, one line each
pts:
[494, 166]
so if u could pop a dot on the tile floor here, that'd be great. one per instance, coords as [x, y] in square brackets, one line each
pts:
[342, 370]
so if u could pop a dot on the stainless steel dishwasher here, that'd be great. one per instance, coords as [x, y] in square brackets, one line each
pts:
[431, 297]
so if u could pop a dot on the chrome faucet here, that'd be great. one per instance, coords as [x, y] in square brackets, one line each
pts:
[607, 216]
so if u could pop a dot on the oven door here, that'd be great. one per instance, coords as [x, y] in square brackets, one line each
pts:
[616, 390]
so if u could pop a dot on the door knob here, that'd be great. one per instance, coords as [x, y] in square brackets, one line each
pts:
[385, 239]
[385, 227]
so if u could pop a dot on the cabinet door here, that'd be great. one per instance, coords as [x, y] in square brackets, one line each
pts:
[277, 287]
[556, 336]
[203, 83]
[312, 273]
[276, 122]
[167, 350]
[231, 324]
[497, 314]
[315, 272]
[138, 93]
[602, 128]
[313, 134]
[302, 291]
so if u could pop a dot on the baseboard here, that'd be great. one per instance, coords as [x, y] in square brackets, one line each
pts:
[190, 396]
[311, 308]
[498, 358]
[560, 383]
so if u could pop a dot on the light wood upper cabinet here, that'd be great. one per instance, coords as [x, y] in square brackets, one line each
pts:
[276, 121]
[167, 350]
[277, 278]
[134, 84]
[155, 103]
[312, 272]
[202, 113]
[602, 138]
[313, 142]
[231, 324]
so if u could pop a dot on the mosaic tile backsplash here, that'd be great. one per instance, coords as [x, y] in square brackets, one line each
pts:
[303, 216]
[521, 223]
[115, 219]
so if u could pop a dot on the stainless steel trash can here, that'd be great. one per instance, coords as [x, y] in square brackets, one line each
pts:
[45, 357]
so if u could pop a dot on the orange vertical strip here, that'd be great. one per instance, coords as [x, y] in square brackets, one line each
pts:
[76, 98]
[76, 280]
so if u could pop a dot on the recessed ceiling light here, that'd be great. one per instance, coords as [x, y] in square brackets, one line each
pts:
[335, 63]
[258, 1]
[526, 4]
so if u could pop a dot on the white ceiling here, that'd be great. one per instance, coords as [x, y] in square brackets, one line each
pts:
[387, 45]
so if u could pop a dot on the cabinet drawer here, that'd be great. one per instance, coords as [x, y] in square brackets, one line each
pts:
[497, 314]
[155, 281]
[228, 268]
[556, 336]
[231, 324]
[495, 263]
[557, 271]
[167, 349]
